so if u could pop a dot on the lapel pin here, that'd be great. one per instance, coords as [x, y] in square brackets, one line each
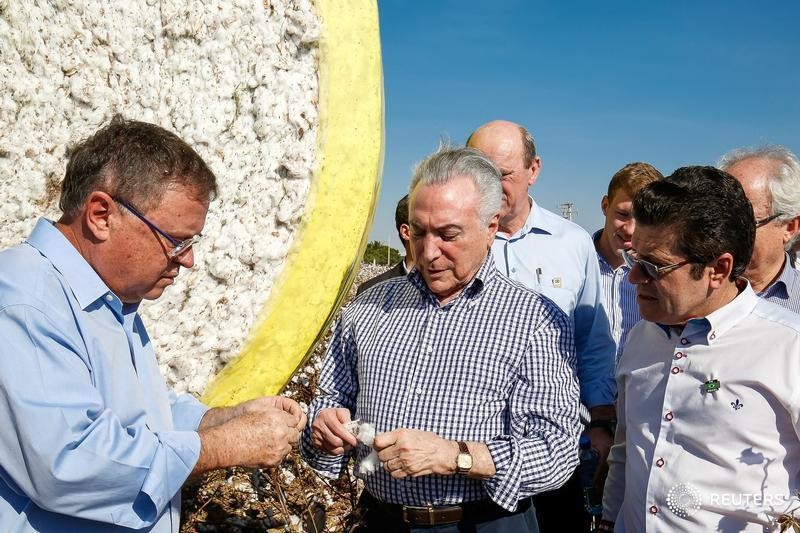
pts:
[712, 385]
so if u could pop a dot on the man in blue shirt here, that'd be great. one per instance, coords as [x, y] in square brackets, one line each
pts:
[770, 177]
[92, 439]
[619, 294]
[555, 257]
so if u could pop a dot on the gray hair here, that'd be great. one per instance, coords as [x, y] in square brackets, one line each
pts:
[784, 180]
[447, 163]
[136, 162]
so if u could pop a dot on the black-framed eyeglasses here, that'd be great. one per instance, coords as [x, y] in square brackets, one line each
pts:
[650, 270]
[178, 246]
[766, 220]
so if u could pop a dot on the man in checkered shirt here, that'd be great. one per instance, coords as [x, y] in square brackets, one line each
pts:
[468, 377]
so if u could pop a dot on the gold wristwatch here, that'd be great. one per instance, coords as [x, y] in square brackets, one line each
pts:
[463, 459]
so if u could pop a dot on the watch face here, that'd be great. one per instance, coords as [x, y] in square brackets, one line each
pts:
[464, 461]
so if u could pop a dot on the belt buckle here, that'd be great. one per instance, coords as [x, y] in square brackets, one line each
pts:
[428, 508]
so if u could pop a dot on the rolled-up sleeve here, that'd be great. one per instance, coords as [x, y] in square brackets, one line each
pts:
[337, 388]
[65, 448]
[540, 453]
[187, 411]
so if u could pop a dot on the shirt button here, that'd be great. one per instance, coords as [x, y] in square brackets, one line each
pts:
[678, 355]
[676, 370]
[660, 462]
[669, 416]
[419, 391]
[109, 298]
[684, 341]
[429, 350]
[653, 509]
[712, 336]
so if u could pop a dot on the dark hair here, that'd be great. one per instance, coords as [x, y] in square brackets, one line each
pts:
[134, 161]
[631, 178]
[706, 210]
[401, 214]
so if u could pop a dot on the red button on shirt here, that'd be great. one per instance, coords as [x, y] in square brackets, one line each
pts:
[653, 509]
[678, 355]
[660, 462]
[676, 370]
[669, 416]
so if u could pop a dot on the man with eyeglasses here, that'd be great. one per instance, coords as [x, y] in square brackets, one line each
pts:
[92, 439]
[708, 437]
[771, 179]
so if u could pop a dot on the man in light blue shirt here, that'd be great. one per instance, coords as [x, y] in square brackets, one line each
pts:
[619, 294]
[770, 177]
[557, 259]
[92, 439]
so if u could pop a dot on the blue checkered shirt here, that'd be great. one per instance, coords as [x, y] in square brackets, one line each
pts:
[494, 365]
[785, 291]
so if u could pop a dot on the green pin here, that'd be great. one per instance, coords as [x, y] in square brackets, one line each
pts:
[712, 385]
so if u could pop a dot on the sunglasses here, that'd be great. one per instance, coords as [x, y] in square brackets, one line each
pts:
[178, 246]
[650, 270]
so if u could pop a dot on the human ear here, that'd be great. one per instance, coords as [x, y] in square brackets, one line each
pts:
[96, 214]
[721, 269]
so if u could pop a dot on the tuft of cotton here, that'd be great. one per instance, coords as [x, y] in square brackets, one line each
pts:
[236, 80]
[365, 433]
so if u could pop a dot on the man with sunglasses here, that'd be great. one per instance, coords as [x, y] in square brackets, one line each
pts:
[707, 436]
[770, 177]
[92, 439]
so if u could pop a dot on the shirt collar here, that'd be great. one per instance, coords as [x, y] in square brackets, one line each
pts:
[86, 285]
[787, 283]
[603, 263]
[486, 273]
[537, 221]
[717, 323]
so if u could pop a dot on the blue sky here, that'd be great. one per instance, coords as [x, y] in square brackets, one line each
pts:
[599, 84]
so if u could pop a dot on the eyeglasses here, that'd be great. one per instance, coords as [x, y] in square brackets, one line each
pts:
[651, 270]
[178, 246]
[766, 220]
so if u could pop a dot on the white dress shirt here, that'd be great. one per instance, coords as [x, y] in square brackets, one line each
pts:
[686, 459]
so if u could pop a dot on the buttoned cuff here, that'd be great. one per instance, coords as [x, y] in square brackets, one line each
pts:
[187, 412]
[171, 466]
[504, 487]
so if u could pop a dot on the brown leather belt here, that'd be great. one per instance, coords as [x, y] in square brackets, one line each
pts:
[440, 515]
[431, 516]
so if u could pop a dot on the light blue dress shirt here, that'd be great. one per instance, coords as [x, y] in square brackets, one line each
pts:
[556, 258]
[619, 299]
[91, 440]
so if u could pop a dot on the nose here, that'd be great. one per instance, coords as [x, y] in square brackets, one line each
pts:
[637, 275]
[186, 259]
[430, 249]
[629, 226]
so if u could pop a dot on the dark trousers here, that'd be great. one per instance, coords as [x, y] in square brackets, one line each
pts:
[380, 518]
[562, 510]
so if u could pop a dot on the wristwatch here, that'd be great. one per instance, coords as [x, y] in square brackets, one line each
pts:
[463, 459]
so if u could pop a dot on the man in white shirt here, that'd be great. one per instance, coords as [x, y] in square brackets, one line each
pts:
[556, 258]
[770, 177]
[707, 437]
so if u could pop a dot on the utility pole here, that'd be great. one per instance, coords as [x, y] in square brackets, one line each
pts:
[567, 210]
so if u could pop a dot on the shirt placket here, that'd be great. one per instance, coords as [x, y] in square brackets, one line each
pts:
[662, 484]
[419, 385]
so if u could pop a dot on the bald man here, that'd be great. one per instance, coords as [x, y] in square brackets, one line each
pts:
[556, 258]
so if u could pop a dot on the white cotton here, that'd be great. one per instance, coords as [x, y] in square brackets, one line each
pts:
[236, 80]
[365, 433]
